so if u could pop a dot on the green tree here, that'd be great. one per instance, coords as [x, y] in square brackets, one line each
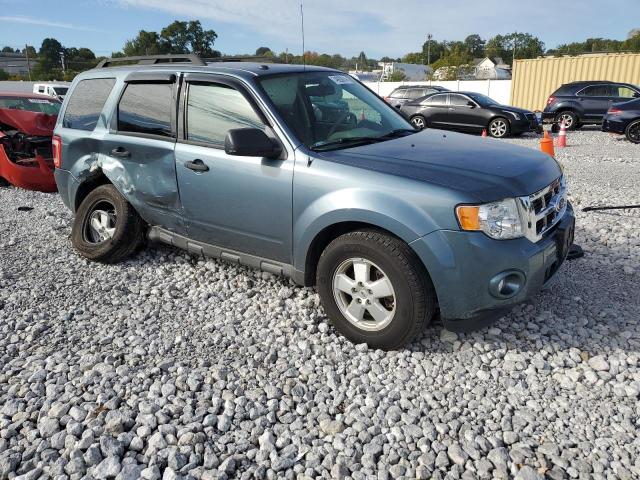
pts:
[30, 50]
[474, 45]
[396, 76]
[261, 51]
[50, 54]
[415, 57]
[176, 37]
[145, 43]
[4, 75]
[201, 41]
[7, 50]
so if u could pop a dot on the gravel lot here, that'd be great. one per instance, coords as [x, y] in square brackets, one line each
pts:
[169, 366]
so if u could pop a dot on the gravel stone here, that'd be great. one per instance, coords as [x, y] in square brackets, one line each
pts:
[170, 365]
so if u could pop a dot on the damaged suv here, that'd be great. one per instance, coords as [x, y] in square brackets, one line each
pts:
[304, 172]
[26, 127]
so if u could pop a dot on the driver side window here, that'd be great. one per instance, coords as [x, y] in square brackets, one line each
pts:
[214, 109]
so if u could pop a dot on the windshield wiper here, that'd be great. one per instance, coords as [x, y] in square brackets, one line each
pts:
[361, 140]
[345, 141]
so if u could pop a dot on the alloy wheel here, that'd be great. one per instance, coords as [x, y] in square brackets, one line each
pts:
[566, 119]
[498, 128]
[101, 223]
[364, 294]
[633, 132]
[418, 122]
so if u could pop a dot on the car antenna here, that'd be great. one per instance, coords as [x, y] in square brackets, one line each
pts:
[304, 59]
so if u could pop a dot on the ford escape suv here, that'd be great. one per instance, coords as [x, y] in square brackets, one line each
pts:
[304, 172]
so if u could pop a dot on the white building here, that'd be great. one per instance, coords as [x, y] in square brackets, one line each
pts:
[491, 69]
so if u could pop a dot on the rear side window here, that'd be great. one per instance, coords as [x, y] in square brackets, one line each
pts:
[440, 99]
[145, 108]
[458, 100]
[213, 110]
[398, 93]
[597, 91]
[86, 103]
[623, 91]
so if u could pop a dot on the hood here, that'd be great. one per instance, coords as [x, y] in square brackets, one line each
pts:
[486, 168]
[29, 123]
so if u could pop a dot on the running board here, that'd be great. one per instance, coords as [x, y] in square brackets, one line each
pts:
[157, 234]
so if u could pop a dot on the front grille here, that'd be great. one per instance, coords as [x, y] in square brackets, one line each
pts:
[542, 210]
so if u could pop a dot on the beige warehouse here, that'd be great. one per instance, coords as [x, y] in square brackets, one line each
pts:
[535, 79]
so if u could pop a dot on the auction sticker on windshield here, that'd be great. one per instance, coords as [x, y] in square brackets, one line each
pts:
[341, 79]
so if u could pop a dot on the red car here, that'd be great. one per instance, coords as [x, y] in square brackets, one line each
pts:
[26, 127]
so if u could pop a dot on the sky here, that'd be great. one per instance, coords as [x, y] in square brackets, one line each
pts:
[377, 27]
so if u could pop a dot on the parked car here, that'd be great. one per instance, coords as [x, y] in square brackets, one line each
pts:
[624, 119]
[469, 112]
[55, 90]
[580, 103]
[407, 93]
[26, 128]
[390, 224]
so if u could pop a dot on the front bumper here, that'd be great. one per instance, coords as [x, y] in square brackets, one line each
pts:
[463, 264]
[524, 125]
[32, 174]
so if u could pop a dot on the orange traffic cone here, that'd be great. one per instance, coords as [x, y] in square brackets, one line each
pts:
[546, 144]
[562, 136]
[484, 133]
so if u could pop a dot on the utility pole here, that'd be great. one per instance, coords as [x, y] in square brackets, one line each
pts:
[62, 62]
[26, 52]
[429, 37]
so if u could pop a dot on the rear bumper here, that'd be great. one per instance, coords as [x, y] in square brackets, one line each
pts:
[33, 174]
[614, 125]
[67, 186]
[463, 265]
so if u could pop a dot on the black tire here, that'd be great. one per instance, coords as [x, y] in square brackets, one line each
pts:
[129, 227]
[633, 131]
[571, 119]
[493, 130]
[419, 122]
[414, 300]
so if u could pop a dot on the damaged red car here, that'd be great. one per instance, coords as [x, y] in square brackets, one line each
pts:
[26, 129]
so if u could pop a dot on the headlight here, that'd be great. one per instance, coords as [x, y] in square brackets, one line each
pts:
[499, 220]
[515, 115]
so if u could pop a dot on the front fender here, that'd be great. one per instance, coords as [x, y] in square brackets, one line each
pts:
[382, 210]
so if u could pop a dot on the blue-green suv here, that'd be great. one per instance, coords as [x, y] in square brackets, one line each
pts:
[304, 172]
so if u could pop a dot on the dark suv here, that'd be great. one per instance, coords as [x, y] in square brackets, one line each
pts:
[407, 93]
[581, 103]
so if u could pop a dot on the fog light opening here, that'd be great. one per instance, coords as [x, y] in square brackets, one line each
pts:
[506, 284]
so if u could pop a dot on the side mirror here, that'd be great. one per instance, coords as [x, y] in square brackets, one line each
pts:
[250, 142]
[471, 104]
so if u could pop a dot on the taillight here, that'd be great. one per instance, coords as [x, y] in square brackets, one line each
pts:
[551, 100]
[386, 99]
[614, 111]
[56, 143]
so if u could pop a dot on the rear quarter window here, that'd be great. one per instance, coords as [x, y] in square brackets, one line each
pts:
[86, 103]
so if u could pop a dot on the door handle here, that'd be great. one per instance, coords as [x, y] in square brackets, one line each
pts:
[451, 109]
[120, 152]
[196, 165]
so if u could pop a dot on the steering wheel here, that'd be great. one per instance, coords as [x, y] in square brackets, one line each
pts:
[338, 122]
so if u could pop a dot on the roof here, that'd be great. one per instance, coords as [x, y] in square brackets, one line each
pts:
[241, 69]
[26, 95]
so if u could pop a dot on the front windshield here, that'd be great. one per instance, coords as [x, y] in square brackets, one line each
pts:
[38, 105]
[330, 110]
[483, 100]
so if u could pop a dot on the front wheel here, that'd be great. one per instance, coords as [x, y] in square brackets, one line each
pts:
[499, 127]
[106, 227]
[375, 289]
[419, 122]
[633, 132]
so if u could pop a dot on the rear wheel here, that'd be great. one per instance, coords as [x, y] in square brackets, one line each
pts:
[106, 227]
[499, 127]
[633, 132]
[570, 120]
[419, 122]
[374, 289]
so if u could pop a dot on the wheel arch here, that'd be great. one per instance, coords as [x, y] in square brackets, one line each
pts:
[89, 184]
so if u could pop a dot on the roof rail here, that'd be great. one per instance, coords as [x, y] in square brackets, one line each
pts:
[154, 60]
[241, 58]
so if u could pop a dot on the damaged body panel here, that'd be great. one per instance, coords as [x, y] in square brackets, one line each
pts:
[26, 127]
